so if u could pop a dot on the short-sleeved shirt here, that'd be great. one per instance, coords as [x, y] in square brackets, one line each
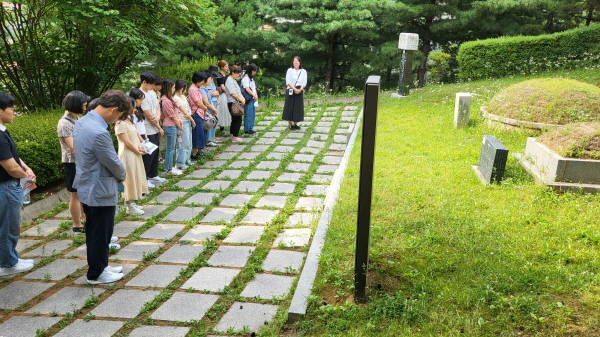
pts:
[8, 150]
[183, 105]
[64, 129]
[169, 110]
[232, 88]
[194, 96]
[205, 93]
[150, 102]
[140, 125]
[247, 83]
[214, 100]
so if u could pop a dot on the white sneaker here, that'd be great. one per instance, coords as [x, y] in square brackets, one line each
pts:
[150, 184]
[175, 172]
[20, 267]
[106, 278]
[113, 239]
[183, 167]
[26, 261]
[158, 179]
[115, 270]
[115, 245]
[137, 206]
[212, 144]
[133, 210]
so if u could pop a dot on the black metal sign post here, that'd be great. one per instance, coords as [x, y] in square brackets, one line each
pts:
[365, 188]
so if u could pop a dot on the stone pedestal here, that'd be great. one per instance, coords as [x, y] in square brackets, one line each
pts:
[462, 108]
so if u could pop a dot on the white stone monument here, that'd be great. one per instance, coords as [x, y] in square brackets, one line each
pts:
[408, 42]
[462, 108]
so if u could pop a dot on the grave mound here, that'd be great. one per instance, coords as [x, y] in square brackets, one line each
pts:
[548, 100]
[579, 140]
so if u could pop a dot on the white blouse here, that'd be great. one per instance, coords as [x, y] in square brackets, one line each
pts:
[292, 75]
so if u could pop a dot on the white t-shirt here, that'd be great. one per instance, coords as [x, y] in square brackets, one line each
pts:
[150, 102]
[294, 75]
[247, 83]
[182, 102]
[140, 125]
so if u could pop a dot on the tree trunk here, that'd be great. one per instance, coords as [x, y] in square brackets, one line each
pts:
[590, 15]
[330, 71]
[425, 48]
[549, 23]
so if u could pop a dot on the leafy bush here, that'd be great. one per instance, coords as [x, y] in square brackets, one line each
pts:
[494, 58]
[38, 146]
[185, 69]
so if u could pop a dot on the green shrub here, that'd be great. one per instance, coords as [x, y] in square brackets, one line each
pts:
[185, 69]
[37, 144]
[494, 58]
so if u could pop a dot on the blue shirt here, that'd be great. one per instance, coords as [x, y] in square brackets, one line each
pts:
[214, 100]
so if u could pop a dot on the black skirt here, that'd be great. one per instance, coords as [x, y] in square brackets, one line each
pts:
[293, 109]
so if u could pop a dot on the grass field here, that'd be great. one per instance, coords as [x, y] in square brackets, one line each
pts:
[450, 256]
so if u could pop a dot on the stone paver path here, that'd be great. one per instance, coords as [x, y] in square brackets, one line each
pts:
[217, 252]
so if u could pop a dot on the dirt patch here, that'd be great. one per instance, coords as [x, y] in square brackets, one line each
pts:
[579, 140]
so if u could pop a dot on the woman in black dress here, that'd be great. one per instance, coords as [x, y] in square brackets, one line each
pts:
[295, 79]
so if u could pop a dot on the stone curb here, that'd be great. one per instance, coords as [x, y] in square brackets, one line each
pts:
[514, 123]
[33, 210]
[346, 100]
[311, 265]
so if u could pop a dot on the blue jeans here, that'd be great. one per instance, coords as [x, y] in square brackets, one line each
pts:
[198, 139]
[11, 194]
[184, 150]
[249, 116]
[210, 134]
[171, 133]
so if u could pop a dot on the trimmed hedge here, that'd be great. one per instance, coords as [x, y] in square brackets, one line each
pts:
[521, 55]
[185, 69]
[38, 145]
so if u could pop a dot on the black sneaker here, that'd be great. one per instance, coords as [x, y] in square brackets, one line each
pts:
[295, 127]
[251, 132]
[195, 157]
[78, 230]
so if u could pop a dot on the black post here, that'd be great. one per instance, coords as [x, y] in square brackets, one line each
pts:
[365, 188]
[405, 77]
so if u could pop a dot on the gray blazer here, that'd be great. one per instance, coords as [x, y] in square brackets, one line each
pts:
[98, 167]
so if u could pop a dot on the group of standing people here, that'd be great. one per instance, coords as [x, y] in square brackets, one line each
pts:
[94, 170]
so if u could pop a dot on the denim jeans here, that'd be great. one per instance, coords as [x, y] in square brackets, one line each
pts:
[171, 134]
[11, 195]
[184, 150]
[198, 139]
[249, 116]
[209, 135]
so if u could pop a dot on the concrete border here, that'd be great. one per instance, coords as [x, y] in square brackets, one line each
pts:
[311, 265]
[43, 205]
[346, 100]
[511, 123]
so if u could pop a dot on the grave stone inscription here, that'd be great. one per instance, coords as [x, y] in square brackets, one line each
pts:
[492, 161]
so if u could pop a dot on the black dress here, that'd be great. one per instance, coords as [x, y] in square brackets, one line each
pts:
[293, 109]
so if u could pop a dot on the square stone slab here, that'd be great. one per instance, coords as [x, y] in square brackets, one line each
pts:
[308, 203]
[235, 148]
[276, 155]
[127, 268]
[249, 155]
[309, 118]
[272, 134]
[321, 178]
[211, 279]
[136, 250]
[248, 186]
[156, 275]
[272, 201]
[351, 107]
[201, 198]
[290, 141]
[333, 108]
[201, 233]
[218, 214]
[181, 213]
[231, 256]
[338, 147]
[282, 123]
[57, 269]
[124, 303]
[20, 292]
[268, 165]
[25, 326]
[259, 175]
[225, 155]
[49, 249]
[340, 139]
[167, 197]
[331, 160]
[293, 237]
[214, 164]
[187, 184]
[304, 157]
[244, 234]
[324, 123]
[299, 219]
[124, 228]
[217, 185]
[281, 188]
[181, 253]
[279, 128]
[236, 200]
[201, 173]
[259, 148]
[284, 261]
[171, 309]
[286, 176]
[328, 119]
[45, 228]
[309, 150]
[268, 286]
[295, 135]
[322, 130]
[282, 148]
[65, 300]
[327, 168]
[80, 251]
[162, 231]
[23, 244]
[342, 131]
[260, 216]
[314, 143]
[315, 190]
[64, 214]
[231, 174]
[160, 331]
[239, 164]
[100, 328]
[298, 167]
[264, 123]
[251, 315]
[265, 141]
[152, 210]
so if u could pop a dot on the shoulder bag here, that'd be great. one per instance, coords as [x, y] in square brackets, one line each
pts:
[237, 109]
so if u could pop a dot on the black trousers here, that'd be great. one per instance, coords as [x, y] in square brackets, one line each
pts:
[236, 123]
[151, 160]
[100, 223]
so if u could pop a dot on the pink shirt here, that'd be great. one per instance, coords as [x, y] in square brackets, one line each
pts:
[194, 96]
[169, 110]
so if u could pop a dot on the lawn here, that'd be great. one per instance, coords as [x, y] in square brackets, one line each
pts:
[450, 256]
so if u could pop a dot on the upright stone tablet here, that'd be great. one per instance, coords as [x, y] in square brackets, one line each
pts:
[462, 107]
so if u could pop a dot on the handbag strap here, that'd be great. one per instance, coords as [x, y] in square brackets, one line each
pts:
[299, 74]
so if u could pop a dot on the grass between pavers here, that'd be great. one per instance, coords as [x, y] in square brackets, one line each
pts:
[450, 256]
[230, 294]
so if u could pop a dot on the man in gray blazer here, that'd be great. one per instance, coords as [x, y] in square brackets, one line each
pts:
[98, 172]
